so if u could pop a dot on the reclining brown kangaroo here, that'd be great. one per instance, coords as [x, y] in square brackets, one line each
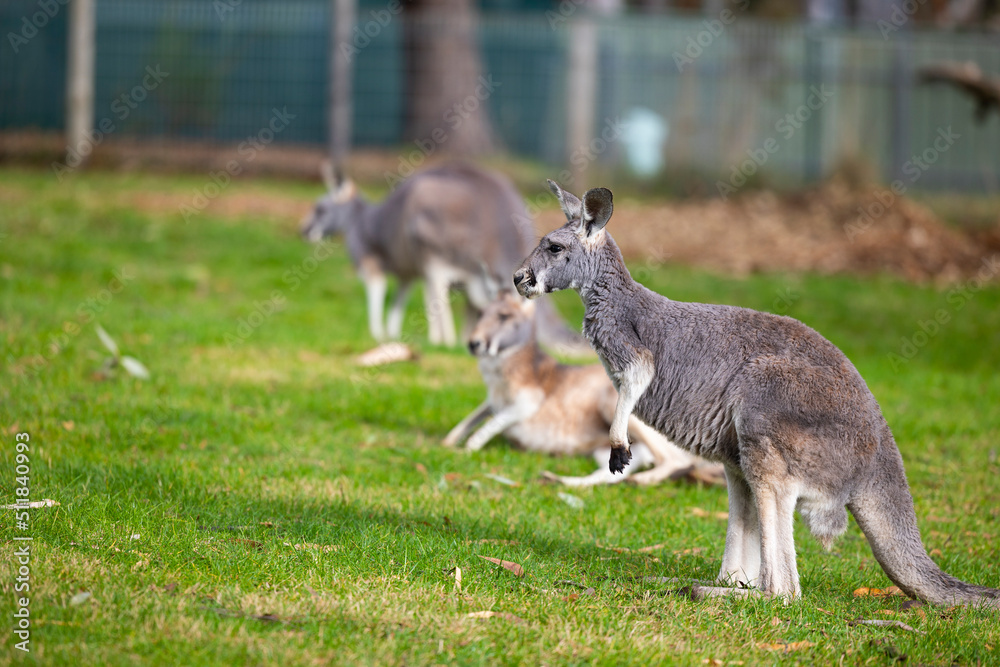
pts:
[544, 406]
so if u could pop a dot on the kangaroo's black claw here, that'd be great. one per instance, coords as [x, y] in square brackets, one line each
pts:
[619, 459]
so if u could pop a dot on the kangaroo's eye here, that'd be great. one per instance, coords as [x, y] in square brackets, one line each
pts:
[504, 317]
[555, 249]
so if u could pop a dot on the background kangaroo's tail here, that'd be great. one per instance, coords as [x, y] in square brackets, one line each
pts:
[555, 334]
[883, 508]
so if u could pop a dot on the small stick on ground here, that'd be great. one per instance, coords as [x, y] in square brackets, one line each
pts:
[885, 624]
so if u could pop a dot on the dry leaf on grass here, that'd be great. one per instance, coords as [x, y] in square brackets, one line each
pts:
[626, 550]
[785, 647]
[253, 544]
[307, 546]
[864, 591]
[266, 618]
[79, 599]
[495, 614]
[704, 514]
[693, 551]
[387, 353]
[516, 569]
[915, 606]
[502, 480]
[571, 500]
[32, 505]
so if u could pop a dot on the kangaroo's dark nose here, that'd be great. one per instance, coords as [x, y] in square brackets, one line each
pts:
[473, 346]
[519, 276]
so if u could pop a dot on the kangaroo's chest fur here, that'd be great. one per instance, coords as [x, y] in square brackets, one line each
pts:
[567, 406]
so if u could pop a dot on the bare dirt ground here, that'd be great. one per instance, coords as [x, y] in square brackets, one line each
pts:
[818, 230]
[831, 228]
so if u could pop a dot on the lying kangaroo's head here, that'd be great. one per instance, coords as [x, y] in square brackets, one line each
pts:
[334, 211]
[566, 257]
[508, 323]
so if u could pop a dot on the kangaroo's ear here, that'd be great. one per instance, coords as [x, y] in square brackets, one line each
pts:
[345, 192]
[526, 305]
[597, 209]
[330, 177]
[490, 283]
[569, 202]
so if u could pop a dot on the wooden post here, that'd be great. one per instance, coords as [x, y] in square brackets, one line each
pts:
[902, 87]
[581, 97]
[80, 78]
[343, 17]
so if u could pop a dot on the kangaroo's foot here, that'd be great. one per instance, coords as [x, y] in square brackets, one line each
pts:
[596, 478]
[660, 474]
[712, 474]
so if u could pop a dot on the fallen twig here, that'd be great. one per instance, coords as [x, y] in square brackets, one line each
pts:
[884, 624]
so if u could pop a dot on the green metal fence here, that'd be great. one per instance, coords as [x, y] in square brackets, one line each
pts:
[728, 90]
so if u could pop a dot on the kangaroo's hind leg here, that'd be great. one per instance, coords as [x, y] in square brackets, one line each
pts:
[394, 323]
[776, 509]
[669, 460]
[740, 570]
[375, 288]
[440, 321]
[741, 559]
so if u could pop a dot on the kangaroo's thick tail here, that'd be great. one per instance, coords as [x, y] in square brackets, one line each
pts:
[555, 334]
[883, 508]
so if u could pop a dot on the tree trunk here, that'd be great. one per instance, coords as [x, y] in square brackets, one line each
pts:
[448, 91]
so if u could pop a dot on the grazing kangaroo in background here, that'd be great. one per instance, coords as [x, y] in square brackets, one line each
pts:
[544, 406]
[785, 411]
[454, 225]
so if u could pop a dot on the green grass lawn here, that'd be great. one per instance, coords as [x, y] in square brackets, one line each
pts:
[261, 500]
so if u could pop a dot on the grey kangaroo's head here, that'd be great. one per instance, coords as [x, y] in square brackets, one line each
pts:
[334, 211]
[508, 323]
[565, 258]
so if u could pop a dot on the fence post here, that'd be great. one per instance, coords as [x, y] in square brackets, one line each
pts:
[814, 129]
[581, 97]
[80, 77]
[343, 16]
[902, 88]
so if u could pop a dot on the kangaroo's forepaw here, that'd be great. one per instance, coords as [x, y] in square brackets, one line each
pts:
[620, 457]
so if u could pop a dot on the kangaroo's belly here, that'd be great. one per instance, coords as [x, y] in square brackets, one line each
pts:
[555, 436]
[570, 418]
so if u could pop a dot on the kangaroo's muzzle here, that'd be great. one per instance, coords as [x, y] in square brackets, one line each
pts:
[524, 281]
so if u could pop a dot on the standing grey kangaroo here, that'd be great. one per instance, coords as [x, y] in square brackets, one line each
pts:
[780, 406]
[544, 406]
[454, 225]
